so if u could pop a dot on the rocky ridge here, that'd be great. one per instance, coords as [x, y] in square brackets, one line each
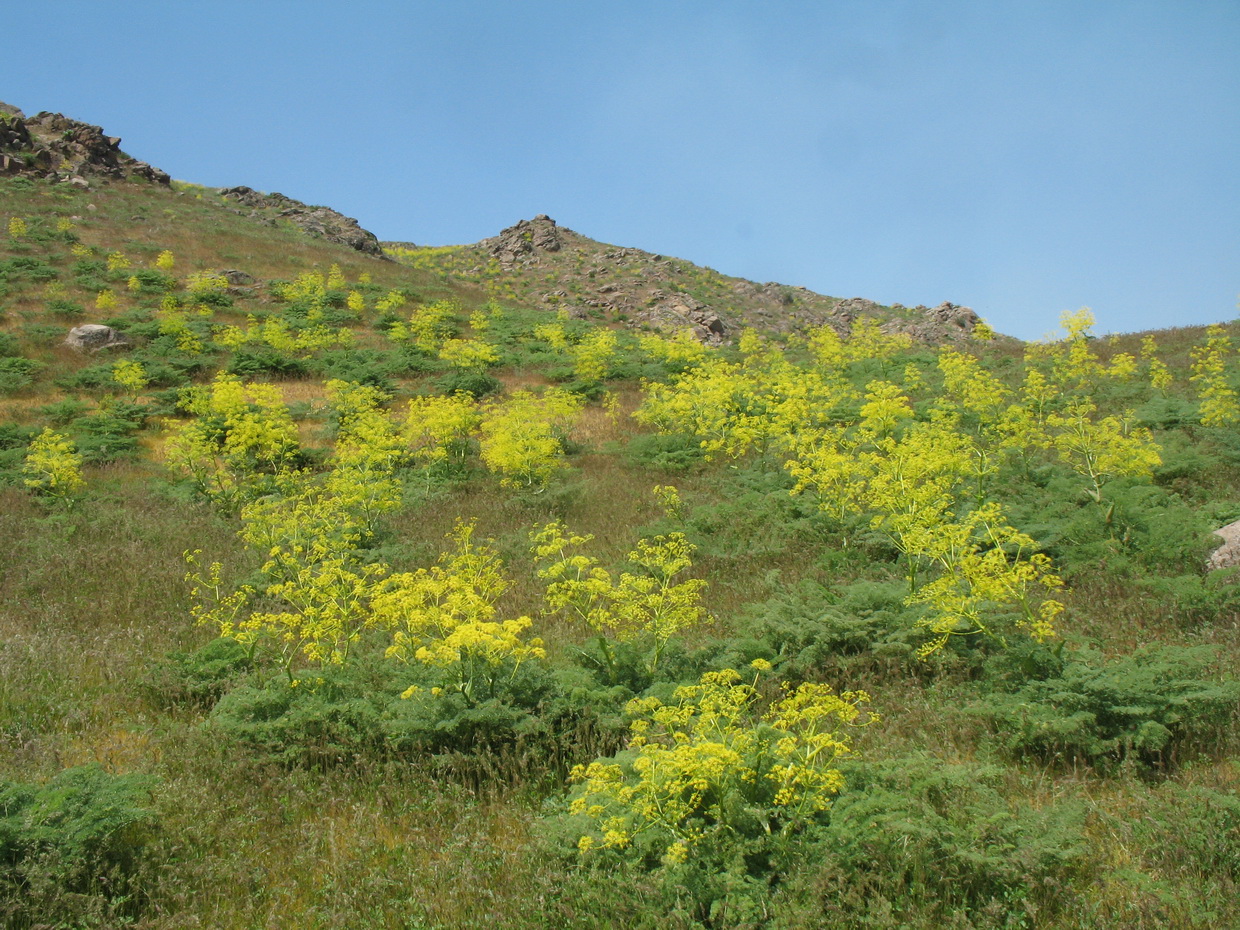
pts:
[49, 145]
[323, 222]
[55, 147]
[558, 269]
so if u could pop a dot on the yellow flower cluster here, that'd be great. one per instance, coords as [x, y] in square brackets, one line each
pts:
[698, 763]
[53, 467]
[522, 435]
[648, 602]
[279, 335]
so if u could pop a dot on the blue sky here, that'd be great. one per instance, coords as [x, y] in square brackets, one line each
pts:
[1020, 158]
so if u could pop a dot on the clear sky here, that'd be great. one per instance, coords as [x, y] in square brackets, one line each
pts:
[1019, 158]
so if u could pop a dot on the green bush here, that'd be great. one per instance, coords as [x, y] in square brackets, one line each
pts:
[199, 678]
[62, 412]
[62, 307]
[476, 384]
[248, 363]
[70, 847]
[150, 280]
[28, 268]
[364, 366]
[809, 628]
[107, 435]
[1210, 849]
[551, 720]
[669, 452]
[18, 373]
[1145, 708]
[917, 837]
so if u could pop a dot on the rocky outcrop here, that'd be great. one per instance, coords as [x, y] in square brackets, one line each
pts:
[947, 322]
[91, 337]
[554, 268]
[521, 244]
[1228, 554]
[322, 222]
[675, 312]
[50, 145]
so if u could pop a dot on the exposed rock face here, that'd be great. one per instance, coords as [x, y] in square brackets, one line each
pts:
[1228, 554]
[680, 311]
[91, 337]
[521, 243]
[947, 322]
[323, 222]
[50, 145]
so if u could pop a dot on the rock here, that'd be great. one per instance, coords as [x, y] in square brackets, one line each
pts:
[52, 145]
[853, 307]
[949, 314]
[323, 222]
[1228, 554]
[235, 277]
[91, 337]
[675, 312]
[245, 195]
[523, 242]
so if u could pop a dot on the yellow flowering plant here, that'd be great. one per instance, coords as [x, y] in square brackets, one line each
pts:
[445, 616]
[52, 467]
[710, 770]
[651, 603]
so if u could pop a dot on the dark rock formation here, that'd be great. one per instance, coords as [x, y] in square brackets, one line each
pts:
[323, 222]
[50, 145]
[520, 243]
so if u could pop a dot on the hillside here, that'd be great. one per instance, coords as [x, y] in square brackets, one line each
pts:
[542, 264]
[548, 583]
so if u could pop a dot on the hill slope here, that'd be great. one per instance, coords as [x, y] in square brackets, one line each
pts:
[542, 264]
[359, 593]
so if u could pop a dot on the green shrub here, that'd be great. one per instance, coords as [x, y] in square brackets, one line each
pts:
[18, 373]
[70, 847]
[1210, 850]
[62, 412]
[150, 280]
[14, 440]
[917, 837]
[809, 628]
[247, 363]
[669, 452]
[199, 678]
[107, 435]
[28, 268]
[476, 384]
[356, 710]
[365, 366]
[1195, 599]
[1145, 707]
[63, 307]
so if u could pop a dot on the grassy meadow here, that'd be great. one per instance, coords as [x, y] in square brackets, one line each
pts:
[919, 639]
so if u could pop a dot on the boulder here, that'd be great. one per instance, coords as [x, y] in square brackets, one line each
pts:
[91, 337]
[1228, 554]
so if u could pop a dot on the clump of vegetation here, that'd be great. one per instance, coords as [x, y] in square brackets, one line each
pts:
[71, 847]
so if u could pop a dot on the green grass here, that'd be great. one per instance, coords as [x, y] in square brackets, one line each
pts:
[93, 604]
